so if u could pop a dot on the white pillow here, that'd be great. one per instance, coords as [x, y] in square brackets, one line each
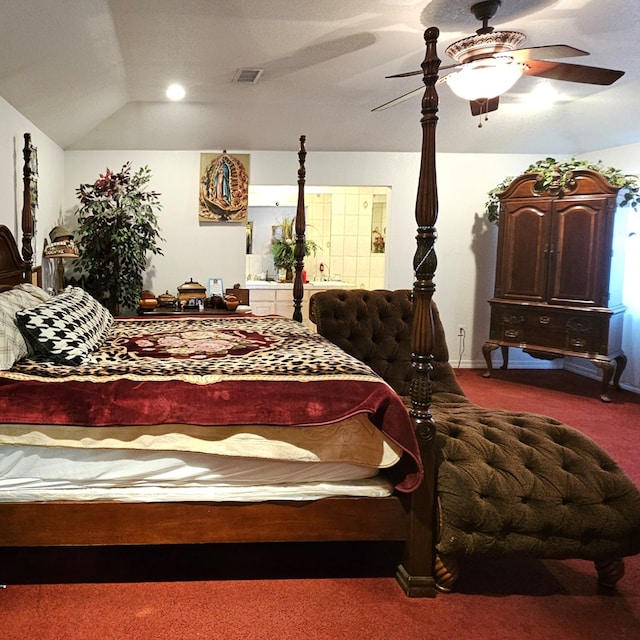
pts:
[13, 346]
[37, 292]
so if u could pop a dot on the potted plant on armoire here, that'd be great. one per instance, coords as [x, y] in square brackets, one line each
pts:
[117, 229]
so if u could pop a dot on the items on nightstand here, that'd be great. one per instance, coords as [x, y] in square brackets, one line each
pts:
[166, 300]
[231, 302]
[60, 248]
[216, 302]
[148, 300]
[241, 294]
[191, 294]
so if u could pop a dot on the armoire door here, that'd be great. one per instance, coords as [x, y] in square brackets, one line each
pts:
[523, 250]
[579, 252]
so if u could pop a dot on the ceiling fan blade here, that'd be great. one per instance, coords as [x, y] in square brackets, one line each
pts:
[571, 72]
[399, 99]
[551, 51]
[406, 74]
[419, 72]
[483, 106]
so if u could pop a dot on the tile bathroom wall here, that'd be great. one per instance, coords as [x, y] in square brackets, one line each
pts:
[345, 222]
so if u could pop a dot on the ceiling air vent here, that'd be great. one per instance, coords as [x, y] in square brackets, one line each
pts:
[247, 75]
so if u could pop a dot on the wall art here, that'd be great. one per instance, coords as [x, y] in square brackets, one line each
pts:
[224, 187]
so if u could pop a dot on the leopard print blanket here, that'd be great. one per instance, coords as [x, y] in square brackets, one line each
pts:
[203, 348]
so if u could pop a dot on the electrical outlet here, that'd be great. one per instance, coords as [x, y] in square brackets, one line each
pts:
[462, 332]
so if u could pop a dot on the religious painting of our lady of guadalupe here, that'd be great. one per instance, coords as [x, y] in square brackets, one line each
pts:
[224, 187]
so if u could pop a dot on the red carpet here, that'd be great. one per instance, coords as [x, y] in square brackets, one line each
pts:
[186, 593]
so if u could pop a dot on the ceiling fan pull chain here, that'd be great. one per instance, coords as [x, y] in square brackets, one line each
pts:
[485, 106]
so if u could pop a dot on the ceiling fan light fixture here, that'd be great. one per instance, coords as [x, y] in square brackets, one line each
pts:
[484, 79]
[484, 44]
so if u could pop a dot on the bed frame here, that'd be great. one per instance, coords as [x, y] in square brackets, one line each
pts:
[406, 518]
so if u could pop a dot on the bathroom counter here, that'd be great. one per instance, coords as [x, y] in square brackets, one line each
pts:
[319, 285]
[269, 298]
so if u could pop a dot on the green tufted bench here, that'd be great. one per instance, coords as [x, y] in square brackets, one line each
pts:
[509, 483]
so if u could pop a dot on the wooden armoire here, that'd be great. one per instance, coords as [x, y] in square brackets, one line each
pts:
[558, 286]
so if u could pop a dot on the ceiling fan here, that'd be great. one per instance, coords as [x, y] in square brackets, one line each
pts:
[490, 63]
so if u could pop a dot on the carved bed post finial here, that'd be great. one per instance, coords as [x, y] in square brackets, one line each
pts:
[27, 208]
[416, 573]
[300, 226]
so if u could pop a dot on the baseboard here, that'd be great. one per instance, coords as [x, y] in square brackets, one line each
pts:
[585, 368]
[526, 362]
[575, 365]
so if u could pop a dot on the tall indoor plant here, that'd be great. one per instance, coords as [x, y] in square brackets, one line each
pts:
[117, 228]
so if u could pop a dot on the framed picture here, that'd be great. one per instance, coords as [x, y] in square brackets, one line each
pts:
[223, 187]
[216, 287]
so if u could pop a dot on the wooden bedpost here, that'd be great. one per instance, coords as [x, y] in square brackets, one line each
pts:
[300, 226]
[415, 574]
[27, 208]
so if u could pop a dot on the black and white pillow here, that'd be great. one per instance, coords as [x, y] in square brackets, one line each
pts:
[67, 328]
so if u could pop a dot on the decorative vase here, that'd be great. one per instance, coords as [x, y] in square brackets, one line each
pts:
[231, 303]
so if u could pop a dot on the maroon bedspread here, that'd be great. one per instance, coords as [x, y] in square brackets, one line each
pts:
[210, 371]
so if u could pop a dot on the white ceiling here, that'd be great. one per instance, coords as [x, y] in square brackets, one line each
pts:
[92, 74]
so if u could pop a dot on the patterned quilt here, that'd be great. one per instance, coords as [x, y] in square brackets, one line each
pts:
[209, 370]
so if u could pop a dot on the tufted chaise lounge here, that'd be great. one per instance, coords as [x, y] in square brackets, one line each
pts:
[509, 483]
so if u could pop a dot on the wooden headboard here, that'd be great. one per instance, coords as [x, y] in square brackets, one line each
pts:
[12, 266]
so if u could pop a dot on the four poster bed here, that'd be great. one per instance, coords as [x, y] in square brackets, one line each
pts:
[188, 399]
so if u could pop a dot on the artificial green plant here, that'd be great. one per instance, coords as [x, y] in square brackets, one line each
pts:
[550, 169]
[283, 247]
[117, 229]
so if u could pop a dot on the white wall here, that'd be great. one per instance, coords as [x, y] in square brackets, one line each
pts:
[627, 160]
[13, 126]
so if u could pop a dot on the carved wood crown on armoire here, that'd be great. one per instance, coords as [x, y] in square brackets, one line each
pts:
[558, 287]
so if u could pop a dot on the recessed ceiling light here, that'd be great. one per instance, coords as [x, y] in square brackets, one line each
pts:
[176, 92]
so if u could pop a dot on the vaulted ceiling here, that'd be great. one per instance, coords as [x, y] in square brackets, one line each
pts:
[92, 74]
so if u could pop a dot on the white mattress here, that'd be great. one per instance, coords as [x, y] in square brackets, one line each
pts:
[239, 464]
[41, 473]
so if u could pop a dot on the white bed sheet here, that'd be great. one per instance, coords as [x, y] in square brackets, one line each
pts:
[378, 487]
[43, 473]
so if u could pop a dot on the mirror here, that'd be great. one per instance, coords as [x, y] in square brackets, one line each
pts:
[348, 224]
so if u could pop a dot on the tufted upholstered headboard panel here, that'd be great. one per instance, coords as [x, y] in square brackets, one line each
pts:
[375, 327]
